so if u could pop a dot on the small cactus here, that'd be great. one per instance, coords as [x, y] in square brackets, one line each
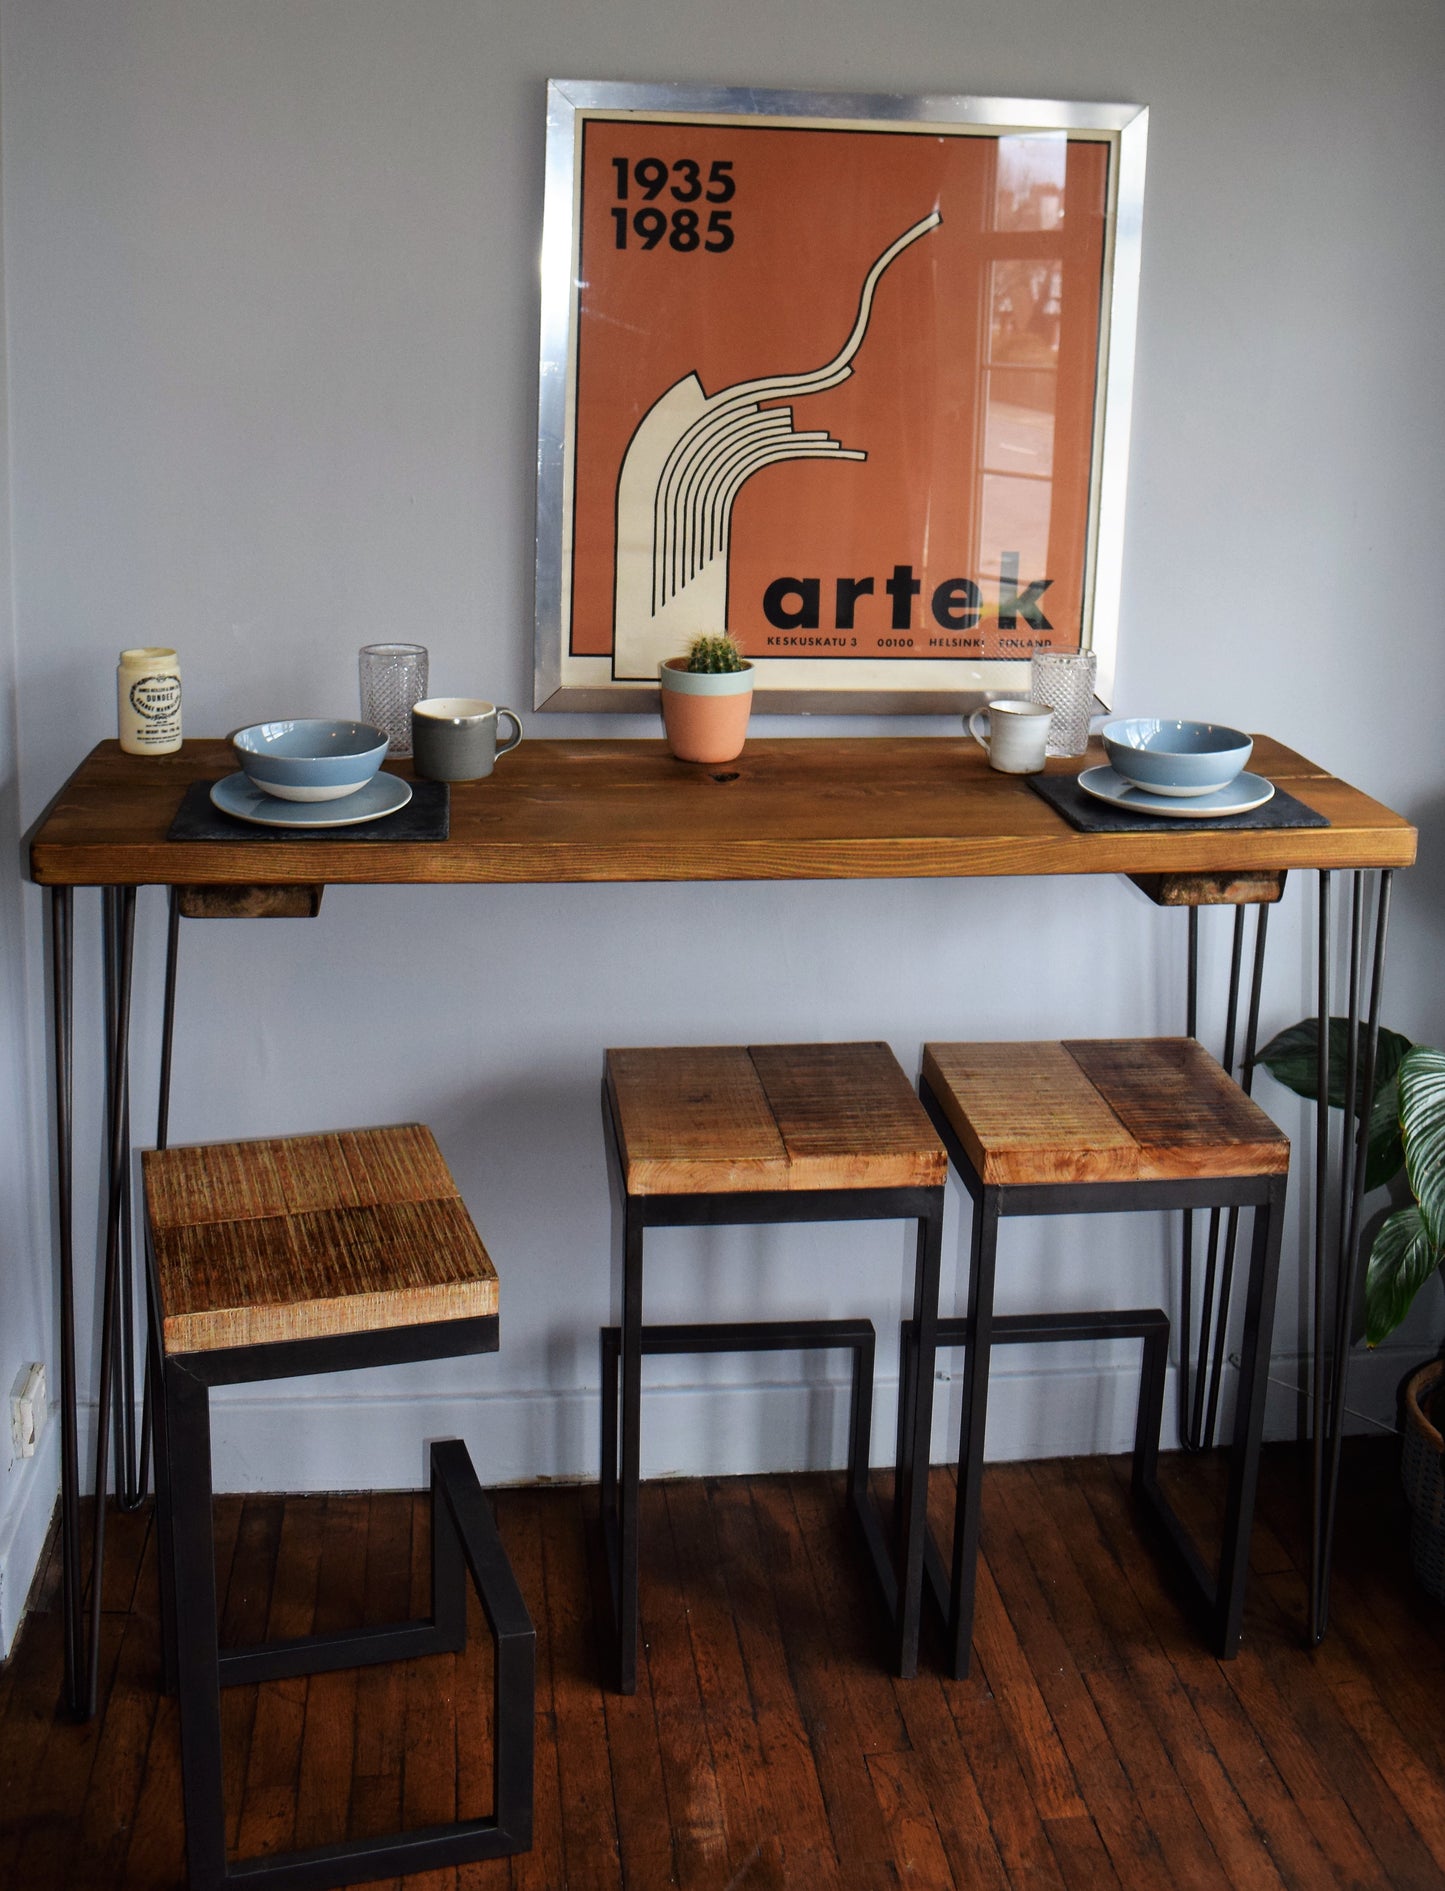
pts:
[715, 654]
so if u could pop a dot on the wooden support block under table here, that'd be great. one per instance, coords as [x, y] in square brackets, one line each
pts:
[249, 902]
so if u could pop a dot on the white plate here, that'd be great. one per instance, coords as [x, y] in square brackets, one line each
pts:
[1242, 794]
[383, 794]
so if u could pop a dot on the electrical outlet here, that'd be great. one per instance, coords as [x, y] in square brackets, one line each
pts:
[28, 1409]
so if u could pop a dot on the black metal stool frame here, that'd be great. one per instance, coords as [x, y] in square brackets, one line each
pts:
[463, 1532]
[1219, 1597]
[857, 1337]
[900, 1581]
[1150, 1324]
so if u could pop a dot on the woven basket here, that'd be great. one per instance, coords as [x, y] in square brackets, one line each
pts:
[1423, 1470]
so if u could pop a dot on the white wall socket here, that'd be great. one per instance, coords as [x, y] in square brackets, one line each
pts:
[28, 1409]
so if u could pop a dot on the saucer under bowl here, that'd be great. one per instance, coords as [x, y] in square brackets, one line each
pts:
[1173, 757]
[310, 758]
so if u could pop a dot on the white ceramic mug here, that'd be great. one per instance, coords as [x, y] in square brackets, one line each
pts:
[1018, 734]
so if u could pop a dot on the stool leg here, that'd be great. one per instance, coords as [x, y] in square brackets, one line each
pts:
[986, 1215]
[907, 1380]
[860, 1419]
[448, 1564]
[156, 1381]
[1149, 1418]
[1248, 1420]
[188, 1481]
[609, 1348]
[631, 1451]
[916, 1452]
[165, 1546]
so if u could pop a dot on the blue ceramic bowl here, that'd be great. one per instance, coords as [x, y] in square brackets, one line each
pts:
[313, 759]
[1176, 758]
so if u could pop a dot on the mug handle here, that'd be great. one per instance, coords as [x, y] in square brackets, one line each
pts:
[972, 727]
[516, 721]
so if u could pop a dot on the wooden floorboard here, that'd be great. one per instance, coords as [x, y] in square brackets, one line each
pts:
[792, 1811]
[1096, 1742]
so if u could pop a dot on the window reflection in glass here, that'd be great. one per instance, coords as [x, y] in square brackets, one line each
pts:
[1029, 193]
[1018, 401]
[1015, 518]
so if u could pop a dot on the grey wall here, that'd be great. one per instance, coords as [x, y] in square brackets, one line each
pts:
[26, 1484]
[271, 304]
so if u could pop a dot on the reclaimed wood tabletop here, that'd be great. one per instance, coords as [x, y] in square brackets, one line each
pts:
[789, 808]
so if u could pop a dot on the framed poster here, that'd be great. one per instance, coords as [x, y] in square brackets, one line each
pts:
[846, 376]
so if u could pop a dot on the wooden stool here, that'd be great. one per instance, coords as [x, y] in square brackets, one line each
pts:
[268, 1260]
[1094, 1128]
[775, 1133]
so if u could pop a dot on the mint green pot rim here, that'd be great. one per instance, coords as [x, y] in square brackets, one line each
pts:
[705, 682]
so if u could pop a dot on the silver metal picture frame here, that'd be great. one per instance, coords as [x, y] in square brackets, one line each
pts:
[847, 375]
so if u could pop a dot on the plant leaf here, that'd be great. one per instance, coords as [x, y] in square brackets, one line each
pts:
[1291, 1057]
[1422, 1121]
[1401, 1261]
[1386, 1152]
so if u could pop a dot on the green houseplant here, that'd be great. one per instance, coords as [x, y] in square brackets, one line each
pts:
[707, 697]
[1405, 1133]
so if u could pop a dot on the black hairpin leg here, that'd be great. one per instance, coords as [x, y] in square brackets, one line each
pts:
[168, 1015]
[1201, 1376]
[129, 1472]
[116, 1400]
[1332, 1310]
[150, 1397]
[1318, 1424]
[1231, 1235]
[118, 1161]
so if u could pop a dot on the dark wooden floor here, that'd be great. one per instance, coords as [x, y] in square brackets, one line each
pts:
[1095, 1744]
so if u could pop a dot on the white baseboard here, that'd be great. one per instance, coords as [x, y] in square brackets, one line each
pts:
[375, 1441]
[30, 1492]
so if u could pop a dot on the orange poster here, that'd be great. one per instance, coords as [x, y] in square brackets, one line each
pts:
[832, 385]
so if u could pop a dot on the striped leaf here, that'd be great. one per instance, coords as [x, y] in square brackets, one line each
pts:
[1422, 1122]
[1401, 1261]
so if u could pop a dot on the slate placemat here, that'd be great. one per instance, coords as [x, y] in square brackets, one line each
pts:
[1063, 793]
[427, 816]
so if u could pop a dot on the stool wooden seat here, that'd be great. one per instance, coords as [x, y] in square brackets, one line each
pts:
[726, 1120]
[307, 1236]
[308, 1254]
[734, 1134]
[1087, 1127]
[1100, 1110]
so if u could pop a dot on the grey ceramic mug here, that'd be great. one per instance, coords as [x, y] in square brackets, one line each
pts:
[454, 738]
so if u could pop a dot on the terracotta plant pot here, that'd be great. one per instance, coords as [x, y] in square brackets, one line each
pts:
[705, 713]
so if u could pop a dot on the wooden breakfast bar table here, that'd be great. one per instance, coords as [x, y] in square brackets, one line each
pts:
[856, 808]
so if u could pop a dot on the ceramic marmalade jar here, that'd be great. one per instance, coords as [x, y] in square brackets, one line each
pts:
[148, 701]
